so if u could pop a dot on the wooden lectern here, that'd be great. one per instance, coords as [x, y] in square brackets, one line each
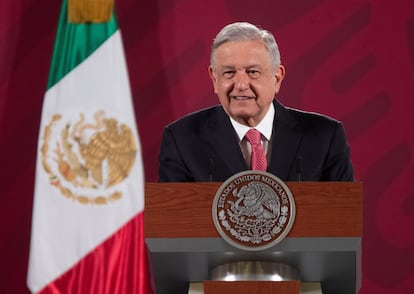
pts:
[323, 244]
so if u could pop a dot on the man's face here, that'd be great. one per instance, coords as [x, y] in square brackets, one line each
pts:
[244, 81]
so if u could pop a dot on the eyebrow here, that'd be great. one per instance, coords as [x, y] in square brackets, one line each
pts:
[247, 67]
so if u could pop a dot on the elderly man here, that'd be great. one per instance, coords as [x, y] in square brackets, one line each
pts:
[251, 129]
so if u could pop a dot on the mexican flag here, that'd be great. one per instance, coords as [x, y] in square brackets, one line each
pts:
[87, 227]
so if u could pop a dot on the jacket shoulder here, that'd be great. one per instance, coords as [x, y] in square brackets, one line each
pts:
[310, 119]
[197, 118]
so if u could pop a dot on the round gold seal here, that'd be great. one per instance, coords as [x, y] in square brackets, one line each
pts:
[253, 210]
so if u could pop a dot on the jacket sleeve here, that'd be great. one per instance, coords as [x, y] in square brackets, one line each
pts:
[171, 165]
[337, 165]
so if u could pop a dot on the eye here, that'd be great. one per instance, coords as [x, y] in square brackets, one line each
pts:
[253, 73]
[228, 74]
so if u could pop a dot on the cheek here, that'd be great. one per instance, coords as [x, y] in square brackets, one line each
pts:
[269, 89]
[223, 85]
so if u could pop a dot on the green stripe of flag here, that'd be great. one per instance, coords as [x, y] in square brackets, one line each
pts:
[75, 42]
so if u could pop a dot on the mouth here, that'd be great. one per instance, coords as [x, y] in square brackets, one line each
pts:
[241, 97]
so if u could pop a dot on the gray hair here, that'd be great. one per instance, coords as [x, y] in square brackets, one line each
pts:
[244, 31]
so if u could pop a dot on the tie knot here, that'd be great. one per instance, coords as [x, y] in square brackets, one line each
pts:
[253, 136]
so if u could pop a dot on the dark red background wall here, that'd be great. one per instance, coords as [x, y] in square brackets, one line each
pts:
[353, 60]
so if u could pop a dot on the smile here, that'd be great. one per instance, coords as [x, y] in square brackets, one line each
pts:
[242, 97]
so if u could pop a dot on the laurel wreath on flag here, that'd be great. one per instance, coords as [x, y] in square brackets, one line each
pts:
[68, 172]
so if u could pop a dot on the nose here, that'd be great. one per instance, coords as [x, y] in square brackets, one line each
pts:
[241, 81]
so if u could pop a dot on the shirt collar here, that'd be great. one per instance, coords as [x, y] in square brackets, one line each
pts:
[265, 127]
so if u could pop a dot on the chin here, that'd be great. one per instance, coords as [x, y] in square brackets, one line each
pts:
[241, 116]
[242, 111]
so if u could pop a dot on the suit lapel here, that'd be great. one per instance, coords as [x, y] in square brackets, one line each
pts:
[220, 134]
[286, 139]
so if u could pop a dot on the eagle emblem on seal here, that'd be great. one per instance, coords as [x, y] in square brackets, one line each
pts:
[258, 200]
[253, 210]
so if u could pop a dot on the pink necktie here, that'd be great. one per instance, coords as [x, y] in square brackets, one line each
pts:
[258, 158]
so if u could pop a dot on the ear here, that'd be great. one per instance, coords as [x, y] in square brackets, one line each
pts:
[213, 77]
[211, 74]
[279, 76]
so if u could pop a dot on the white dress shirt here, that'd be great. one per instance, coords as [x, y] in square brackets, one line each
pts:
[265, 127]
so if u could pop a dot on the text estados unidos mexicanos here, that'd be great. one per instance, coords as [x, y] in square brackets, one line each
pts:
[247, 178]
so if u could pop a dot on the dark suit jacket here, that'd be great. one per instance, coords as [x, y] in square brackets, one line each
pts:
[203, 146]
